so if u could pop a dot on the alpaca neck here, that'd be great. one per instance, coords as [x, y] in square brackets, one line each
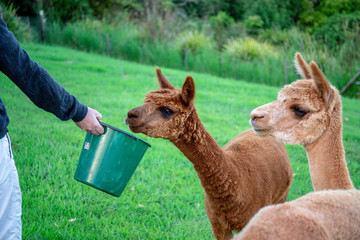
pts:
[207, 158]
[326, 156]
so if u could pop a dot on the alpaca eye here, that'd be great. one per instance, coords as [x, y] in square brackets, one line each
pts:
[166, 112]
[300, 112]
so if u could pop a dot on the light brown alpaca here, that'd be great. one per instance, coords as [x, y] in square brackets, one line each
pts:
[246, 174]
[308, 112]
[322, 215]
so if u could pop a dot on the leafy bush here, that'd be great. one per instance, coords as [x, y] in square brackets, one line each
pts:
[236, 30]
[220, 23]
[65, 10]
[254, 24]
[350, 49]
[280, 14]
[341, 34]
[14, 23]
[274, 36]
[332, 33]
[249, 49]
[192, 41]
[315, 14]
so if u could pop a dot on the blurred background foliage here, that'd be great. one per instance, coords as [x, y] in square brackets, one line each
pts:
[250, 40]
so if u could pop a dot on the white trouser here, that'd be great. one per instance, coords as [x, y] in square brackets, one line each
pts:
[10, 194]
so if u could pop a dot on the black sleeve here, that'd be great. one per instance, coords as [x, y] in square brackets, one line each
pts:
[35, 81]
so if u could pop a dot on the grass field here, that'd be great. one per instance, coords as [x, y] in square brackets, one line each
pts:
[164, 198]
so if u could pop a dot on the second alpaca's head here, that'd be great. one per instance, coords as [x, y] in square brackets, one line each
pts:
[303, 109]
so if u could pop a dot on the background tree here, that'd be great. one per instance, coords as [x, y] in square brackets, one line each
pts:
[23, 7]
[65, 10]
[316, 12]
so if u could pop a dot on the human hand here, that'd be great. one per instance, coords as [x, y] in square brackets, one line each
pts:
[91, 123]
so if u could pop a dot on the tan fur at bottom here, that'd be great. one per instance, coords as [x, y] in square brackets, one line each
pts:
[323, 215]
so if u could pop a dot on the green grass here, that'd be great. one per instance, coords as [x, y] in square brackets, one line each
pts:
[164, 198]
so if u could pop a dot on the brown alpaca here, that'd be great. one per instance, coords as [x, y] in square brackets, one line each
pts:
[322, 215]
[246, 174]
[308, 112]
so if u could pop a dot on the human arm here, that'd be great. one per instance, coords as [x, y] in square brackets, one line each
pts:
[40, 87]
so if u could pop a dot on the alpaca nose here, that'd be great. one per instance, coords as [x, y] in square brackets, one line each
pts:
[256, 115]
[133, 114]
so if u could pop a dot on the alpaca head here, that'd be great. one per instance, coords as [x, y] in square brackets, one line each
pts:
[166, 113]
[303, 109]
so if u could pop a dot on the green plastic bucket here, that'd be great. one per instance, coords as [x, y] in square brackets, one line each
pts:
[108, 161]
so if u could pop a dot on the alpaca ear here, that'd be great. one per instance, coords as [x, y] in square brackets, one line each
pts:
[323, 86]
[301, 66]
[188, 91]
[164, 83]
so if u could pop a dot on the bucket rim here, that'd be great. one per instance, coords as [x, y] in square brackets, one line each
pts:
[124, 132]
